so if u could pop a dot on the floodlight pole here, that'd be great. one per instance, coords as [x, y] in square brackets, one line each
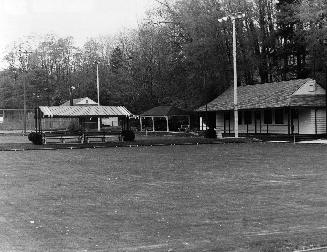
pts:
[233, 18]
[235, 81]
[24, 121]
[24, 87]
[98, 92]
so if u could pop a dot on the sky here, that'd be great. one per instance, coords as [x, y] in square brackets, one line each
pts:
[81, 19]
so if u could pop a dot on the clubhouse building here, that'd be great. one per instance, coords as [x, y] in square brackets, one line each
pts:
[295, 106]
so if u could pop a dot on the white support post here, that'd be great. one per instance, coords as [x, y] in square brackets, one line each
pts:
[152, 123]
[141, 123]
[167, 123]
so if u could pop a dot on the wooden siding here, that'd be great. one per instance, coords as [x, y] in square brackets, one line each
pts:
[304, 125]
[307, 121]
[321, 121]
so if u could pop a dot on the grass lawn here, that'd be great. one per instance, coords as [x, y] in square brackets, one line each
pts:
[224, 197]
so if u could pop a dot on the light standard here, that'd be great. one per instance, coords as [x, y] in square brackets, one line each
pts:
[233, 18]
[24, 86]
[71, 98]
[98, 91]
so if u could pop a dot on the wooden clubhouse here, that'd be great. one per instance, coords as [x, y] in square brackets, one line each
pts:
[295, 106]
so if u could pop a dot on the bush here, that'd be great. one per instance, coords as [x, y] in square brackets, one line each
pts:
[210, 133]
[128, 135]
[35, 138]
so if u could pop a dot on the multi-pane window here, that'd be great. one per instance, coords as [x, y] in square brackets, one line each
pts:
[295, 113]
[240, 117]
[227, 116]
[279, 116]
[267, 116]
[248, 117]
[1, 116]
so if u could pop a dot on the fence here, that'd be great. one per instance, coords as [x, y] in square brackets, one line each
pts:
[13, 119]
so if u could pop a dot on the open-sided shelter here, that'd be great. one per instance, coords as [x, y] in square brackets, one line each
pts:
[83, 113]
[295, 106]
[169, 113]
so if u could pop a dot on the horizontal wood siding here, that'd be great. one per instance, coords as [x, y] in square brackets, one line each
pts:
[321, 121]
[307, 121]
[306, 125]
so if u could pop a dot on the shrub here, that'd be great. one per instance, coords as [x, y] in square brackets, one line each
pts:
[210, 133]
[35, 138]
[128, 135]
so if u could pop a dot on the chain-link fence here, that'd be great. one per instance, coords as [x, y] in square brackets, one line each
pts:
[13, 120]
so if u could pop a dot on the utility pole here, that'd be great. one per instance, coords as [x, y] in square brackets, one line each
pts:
[233, 18]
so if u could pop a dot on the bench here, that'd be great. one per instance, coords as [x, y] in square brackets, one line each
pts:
[62, 136]
[102, 135]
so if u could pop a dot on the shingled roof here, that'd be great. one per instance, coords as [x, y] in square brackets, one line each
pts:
[268, 95]
[164, 111]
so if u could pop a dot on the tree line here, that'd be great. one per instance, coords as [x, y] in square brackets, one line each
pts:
[179, 55]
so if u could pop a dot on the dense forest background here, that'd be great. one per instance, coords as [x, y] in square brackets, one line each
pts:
[179, 55]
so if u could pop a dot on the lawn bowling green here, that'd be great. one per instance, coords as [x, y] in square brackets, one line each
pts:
[224, 197]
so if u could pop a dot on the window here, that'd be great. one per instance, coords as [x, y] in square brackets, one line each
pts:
[267, 116]
[240, 118]
[295, 113]
[279, 116]
[227, 116]
[257, 115]
[247, 117]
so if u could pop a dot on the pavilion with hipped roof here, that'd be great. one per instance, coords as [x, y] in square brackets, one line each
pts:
[166, 112]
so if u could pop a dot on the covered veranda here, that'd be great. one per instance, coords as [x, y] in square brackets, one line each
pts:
[174, 119]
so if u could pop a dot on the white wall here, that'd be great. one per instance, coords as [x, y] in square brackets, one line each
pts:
[307, 121]
[305, 125]
[321, 121]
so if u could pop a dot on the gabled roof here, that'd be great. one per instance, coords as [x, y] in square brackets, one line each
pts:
[78, 100]
[84, 111]
[268, 95]
[164, 111]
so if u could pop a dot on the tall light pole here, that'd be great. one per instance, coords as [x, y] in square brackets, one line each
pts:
[98, 92]
[24, 86]
[233, 18]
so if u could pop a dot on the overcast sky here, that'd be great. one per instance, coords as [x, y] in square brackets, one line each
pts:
[79, 18]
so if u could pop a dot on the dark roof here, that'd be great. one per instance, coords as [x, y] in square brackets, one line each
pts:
[268, 95]
[308, 101]
[165, 111]
[84, 111]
